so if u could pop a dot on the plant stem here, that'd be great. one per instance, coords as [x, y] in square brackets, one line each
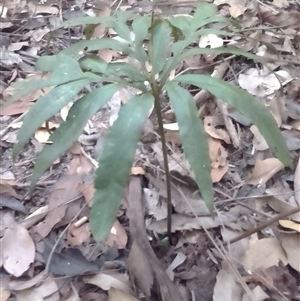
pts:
[156, 94]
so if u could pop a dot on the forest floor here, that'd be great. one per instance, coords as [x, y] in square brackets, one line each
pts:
[47, 249]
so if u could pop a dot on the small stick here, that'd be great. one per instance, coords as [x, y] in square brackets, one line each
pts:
[263, 225]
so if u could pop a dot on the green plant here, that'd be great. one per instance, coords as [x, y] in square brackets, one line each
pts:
[71, 70]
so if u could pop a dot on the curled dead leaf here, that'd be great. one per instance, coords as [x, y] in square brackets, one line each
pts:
[264, 170]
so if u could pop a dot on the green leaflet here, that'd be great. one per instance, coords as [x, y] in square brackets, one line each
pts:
[115, 163]
[247, 105]
[161, 34]
[69, 131]
[194, 139]
[46, 107]
[65, 69]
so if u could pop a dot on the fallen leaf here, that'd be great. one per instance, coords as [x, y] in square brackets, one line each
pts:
[142, 273]
[87, 189]
[171, 126]
[16, 108]
[290, 225]
[264, 253]
[68, 262]
[149, 266]
[137, 170]
[290, 244]
[173, 136]
[280, 205]
[258, 294]
[20, 285]
[42, 136]
[227, 288]
[18, 250]
[48, 290]
[117, 236]
[4, 294]
[283, 19]
[211, 130]
[117, 295]
[211, 40]
[76, 236]
[63, 191]
[112, 280]
[264, 170]
[178, 260]
[35, 217]
[155, 207]
[259, 141]
[183, 222]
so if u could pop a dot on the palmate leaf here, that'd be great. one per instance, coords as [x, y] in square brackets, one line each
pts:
[194, 139]
[69, 131]
[247, 105]
[46, 107]
[115, 163]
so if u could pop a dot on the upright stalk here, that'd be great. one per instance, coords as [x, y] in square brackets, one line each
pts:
[156, 94]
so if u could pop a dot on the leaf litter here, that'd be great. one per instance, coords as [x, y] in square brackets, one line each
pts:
[266, 262]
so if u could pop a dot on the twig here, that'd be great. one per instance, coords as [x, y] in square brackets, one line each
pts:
[263, 225]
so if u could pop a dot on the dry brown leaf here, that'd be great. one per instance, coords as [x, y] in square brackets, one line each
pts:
[76, 236]
[284, 19]
[80, 165]
[117, 236]
[6, 188]
[218, 173]
[20, 285]
[100, 30]
[264, 170]
[168, 290]
[173, 136]
[290, 225]
[290, 244]
[18, 250]
[35, 217]
[280, 205]
[259, 141]
[137, 170]
[178, 260]
[142, 273]
[16, 108]
[42, 136]
[258, 294]
[214, 132]
[63, 191]
[182, 222]
[218, 157]
[297, 183]
[48, 290]
[117, 295]
[264, 253]
[227, 288]
[42, 9]
[4, 294]
[106, 281]
[87, 189]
